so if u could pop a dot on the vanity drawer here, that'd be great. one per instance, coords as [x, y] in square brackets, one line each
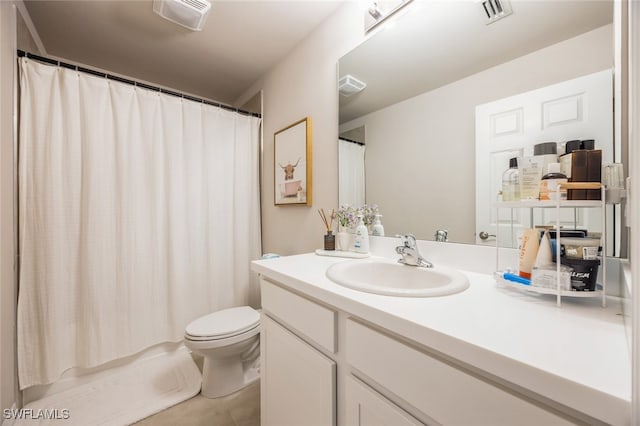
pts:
[316, 322]
[438, 389]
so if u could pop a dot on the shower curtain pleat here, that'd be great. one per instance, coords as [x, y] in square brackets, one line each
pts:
[138, 212]
[352, 173]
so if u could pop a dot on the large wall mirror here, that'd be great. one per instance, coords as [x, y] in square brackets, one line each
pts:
[414, 123]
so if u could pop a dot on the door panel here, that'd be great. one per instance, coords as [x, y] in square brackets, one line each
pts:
[580, 108]
[298, 385]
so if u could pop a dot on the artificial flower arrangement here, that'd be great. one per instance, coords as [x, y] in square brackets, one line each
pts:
[348, 215]
[369, 212]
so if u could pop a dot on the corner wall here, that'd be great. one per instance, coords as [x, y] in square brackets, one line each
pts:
[304, 84]
[9, 393]
[634, 198]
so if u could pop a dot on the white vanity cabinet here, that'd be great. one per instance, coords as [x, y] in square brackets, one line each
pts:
[310, 379]
[298, 383]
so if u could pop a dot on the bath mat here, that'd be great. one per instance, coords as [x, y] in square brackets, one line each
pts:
[142, 389]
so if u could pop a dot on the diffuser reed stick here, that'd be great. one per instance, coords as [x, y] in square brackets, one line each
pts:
[328, 222]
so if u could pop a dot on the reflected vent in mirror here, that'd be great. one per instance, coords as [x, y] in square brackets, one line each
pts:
[349, 85]
[495, 10]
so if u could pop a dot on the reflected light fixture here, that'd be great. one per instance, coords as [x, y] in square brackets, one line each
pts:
[190, 14]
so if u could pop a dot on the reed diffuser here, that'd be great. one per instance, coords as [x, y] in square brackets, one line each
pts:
[329, 238]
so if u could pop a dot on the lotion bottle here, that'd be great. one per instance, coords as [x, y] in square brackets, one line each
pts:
[361, 239]
[528, 252]
[378, 229]
[511, 182]
[530, 169]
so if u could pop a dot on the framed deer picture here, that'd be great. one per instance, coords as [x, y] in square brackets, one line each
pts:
[292, 148]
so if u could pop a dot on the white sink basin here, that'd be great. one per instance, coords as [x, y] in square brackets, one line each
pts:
[383, 276]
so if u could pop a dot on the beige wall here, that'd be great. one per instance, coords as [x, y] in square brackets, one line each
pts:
[304, 84]
[425, 146]
[24, 39]
[8, 291]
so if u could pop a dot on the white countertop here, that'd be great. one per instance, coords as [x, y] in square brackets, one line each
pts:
[576, 354]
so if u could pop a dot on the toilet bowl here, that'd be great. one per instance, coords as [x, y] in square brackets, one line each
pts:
[229, 341]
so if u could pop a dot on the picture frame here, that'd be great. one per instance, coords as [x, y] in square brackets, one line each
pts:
[292, 164]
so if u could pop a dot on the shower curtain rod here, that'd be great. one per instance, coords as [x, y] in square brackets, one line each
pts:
[352, 141]
[22, 53]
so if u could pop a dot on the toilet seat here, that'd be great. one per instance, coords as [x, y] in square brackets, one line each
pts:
[224, 324]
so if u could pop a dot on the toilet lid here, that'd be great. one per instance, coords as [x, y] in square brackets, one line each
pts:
[225, 323]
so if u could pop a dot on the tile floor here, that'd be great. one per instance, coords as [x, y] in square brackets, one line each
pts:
[239, 409]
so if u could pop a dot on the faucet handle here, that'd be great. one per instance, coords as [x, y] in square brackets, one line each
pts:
[408, 240]
[441, 235]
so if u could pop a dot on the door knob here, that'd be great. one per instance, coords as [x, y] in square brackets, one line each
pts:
[484, 235]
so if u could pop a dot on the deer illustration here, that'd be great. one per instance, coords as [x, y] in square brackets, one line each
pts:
[289, 169]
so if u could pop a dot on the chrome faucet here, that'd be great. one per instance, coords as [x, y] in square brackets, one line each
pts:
[410, 253]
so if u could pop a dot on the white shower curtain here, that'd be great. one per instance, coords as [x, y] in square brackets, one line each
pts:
[139, 212]
[351, 189]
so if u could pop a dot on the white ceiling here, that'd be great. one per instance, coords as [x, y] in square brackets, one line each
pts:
[241, 40]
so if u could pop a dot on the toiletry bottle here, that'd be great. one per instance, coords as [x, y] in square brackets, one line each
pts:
[543, 258]
[378, 229]
[528, 252]
[361, 239]
[511, 182]
[548, 151]
[531, 172]
[549, 189]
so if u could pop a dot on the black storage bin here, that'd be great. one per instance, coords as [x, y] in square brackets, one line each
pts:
[572, 233]
[584, 275]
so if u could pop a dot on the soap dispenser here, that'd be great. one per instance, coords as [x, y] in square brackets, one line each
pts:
[511, 182]
[361, 239]
[378, 229]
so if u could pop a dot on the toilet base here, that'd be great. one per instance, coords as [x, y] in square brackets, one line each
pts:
[231, 361]
[220, 378]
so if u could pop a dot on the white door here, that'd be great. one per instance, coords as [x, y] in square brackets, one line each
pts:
[581, 108]
[366, 407]
[298, 383]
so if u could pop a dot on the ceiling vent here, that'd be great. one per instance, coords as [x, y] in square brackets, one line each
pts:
[495, 10]
[349, 85]
[189, 13]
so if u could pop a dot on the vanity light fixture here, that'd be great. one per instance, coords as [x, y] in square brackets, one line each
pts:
[375, 12]
[190, 14]
[348, 85]
[380, 10]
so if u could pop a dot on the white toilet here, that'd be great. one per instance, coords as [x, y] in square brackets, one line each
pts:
[229, 341]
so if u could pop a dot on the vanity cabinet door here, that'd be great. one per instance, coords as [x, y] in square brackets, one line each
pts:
[435, 387]
[298, 384]
[366, 407]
